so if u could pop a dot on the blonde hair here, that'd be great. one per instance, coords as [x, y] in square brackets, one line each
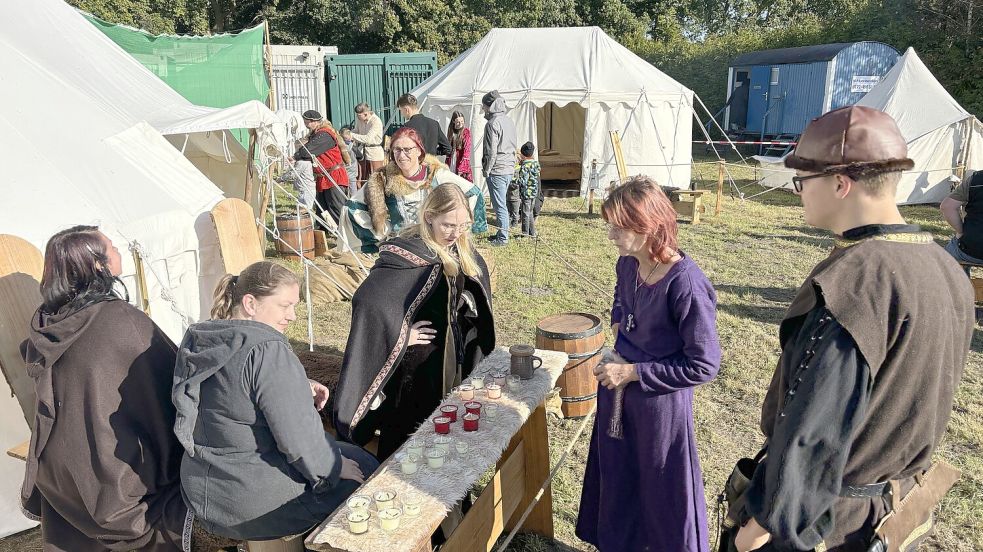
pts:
[442, 200]
[260, 279]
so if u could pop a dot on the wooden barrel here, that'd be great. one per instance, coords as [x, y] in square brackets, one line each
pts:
[297, 232]
[578, 335]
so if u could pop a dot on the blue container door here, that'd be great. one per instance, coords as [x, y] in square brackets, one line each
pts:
[757, 100]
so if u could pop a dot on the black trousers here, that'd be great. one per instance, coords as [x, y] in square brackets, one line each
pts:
[332, 201]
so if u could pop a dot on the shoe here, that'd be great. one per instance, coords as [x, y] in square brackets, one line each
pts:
[498, 242]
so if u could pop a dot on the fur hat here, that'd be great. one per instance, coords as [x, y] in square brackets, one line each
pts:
[311, 115]
[857, 140]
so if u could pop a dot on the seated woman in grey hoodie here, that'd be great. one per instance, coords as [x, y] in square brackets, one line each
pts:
[257, 464]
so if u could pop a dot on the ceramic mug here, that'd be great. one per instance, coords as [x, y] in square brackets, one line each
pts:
[523, 361]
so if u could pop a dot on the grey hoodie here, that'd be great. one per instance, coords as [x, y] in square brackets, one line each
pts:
[498, 152]
[254, 444]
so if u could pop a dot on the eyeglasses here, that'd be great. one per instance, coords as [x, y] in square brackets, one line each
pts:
[798, 180]
[404, 151]
[459, 227]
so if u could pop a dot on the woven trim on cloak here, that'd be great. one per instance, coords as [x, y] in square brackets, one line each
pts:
[397, 350]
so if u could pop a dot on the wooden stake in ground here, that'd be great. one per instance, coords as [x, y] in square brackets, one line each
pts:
[618, 156]
[590, 187]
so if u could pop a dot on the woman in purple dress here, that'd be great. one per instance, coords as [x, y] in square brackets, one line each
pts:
[643, 488]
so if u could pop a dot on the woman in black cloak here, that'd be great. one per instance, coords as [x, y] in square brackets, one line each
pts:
[421, 322]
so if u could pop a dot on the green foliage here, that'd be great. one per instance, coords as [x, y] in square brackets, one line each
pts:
[691, 40]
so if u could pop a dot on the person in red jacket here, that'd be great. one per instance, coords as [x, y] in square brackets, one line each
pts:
[324, 149]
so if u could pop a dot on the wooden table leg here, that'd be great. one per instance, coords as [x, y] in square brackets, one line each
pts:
[535, 442]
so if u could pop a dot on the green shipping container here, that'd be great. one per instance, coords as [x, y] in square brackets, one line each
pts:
[378, 79]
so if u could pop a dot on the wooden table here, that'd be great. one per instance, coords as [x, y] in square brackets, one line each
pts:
[689, 204]
[520, 470]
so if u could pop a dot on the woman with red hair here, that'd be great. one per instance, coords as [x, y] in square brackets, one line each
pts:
[392, 197]
[643, 488]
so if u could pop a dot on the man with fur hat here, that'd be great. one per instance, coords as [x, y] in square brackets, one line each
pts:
[329, 155]
[873, 348]
[498, 160]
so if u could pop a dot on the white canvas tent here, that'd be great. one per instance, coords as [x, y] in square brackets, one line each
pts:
[941, 135]
[81, 130]
[565, 88]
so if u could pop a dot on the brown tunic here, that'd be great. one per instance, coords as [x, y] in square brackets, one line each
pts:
[909, 308]
[103, 468]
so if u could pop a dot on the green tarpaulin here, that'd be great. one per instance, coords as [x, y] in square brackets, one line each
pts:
[214, 71]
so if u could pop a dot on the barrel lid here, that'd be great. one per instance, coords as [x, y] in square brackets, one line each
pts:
[522, 350]
[569, 322]
[292, 214]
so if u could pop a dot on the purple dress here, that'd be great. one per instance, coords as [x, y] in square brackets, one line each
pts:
[645, 491]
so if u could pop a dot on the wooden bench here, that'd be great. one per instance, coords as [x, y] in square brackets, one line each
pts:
[20, 451]
[688, 203]
[977, 282]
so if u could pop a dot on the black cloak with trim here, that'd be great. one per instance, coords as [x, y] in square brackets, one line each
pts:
[406, 284]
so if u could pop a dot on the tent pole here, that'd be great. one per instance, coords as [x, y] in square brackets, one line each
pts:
[268, 66]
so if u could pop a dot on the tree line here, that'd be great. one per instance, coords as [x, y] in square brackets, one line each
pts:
[691, 40]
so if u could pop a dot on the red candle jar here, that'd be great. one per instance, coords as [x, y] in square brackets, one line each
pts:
[449, 411]
[442, 424]
[470, 422]
[473, 407]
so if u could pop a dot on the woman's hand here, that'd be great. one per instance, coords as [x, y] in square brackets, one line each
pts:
[351, 471]
[320, 394]
[421, 333]
[751, 537]
[614, 375]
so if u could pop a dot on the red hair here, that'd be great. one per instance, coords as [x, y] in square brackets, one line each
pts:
[641, 206]
[411, 134]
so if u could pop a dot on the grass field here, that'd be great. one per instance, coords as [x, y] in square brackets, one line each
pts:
[755, 253]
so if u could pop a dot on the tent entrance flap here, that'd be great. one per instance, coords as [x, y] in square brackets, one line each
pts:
[560, 138]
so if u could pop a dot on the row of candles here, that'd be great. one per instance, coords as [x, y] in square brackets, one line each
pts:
[388, 512]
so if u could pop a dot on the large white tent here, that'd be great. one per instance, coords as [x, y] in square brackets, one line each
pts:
[565, 88]
[82, 134]
[941, 134]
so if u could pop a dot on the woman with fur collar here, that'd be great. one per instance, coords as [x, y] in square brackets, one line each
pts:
[392, 197]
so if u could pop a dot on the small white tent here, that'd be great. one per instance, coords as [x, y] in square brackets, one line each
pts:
[565, 88]
[941, 135]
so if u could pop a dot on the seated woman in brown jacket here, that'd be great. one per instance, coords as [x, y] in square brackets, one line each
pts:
[103, 467]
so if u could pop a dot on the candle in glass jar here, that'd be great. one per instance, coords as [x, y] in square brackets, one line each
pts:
[500, 379]
[415, 446]
[412, 504]
[435, 458]
[491, 410]
[358, 522]
[473, 407]
[449, 411]
[494, 391]
[442, 424]
[359, 503]
[442, 443]
[478, 382]
[384, 499]
[409, 463]
[466, 392]
[470, 422]
[389, 519]
[461, 446]
[514, 382]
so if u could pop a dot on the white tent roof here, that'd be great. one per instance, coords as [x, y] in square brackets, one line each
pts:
[540, 65]
[941, 135]
[910, 93]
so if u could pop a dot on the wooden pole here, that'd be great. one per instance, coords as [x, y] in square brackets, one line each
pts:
[720, 188]
[141, 277]
[590, 189]
[268, 66]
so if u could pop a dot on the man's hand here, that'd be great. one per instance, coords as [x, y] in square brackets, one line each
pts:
[614, 375]
[751, 537]
[320, 394]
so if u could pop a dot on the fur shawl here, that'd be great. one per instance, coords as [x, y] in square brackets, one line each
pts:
[391, 182]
